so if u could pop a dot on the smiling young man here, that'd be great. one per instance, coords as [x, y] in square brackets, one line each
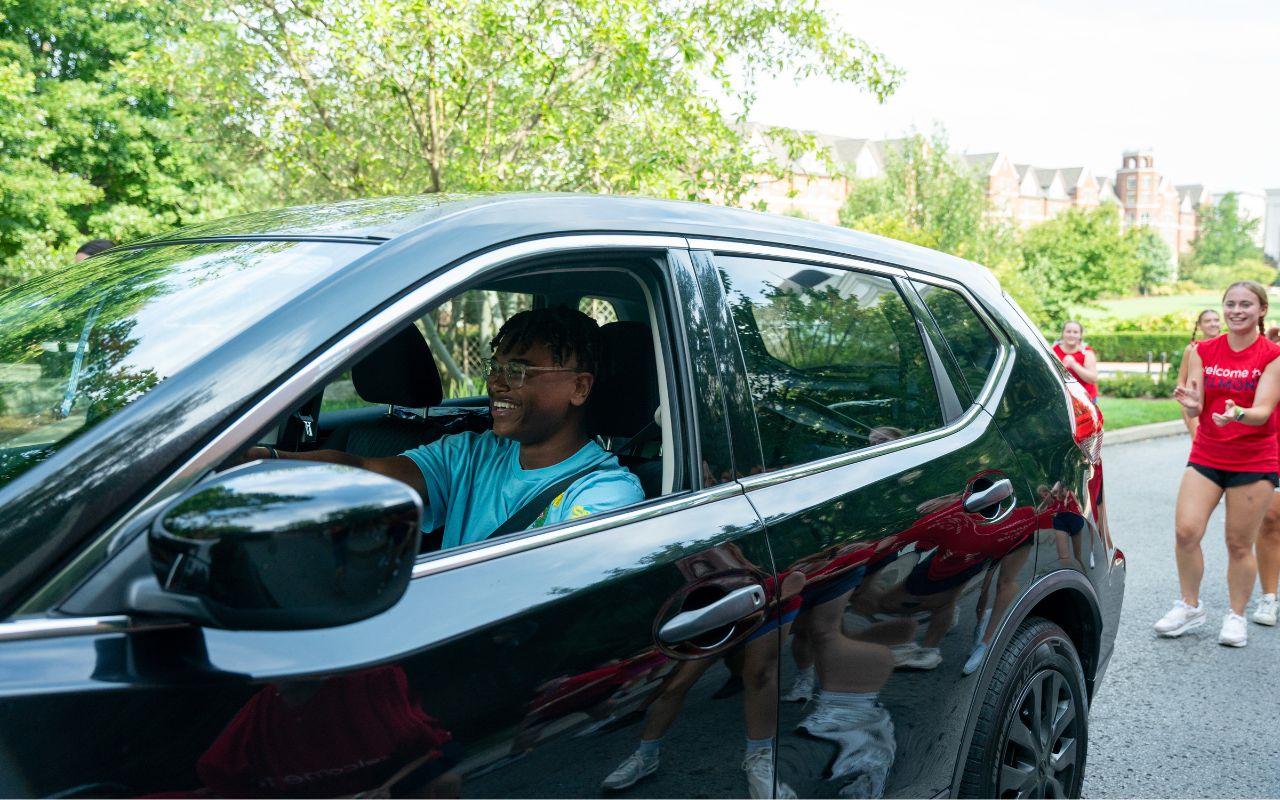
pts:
[538, 459]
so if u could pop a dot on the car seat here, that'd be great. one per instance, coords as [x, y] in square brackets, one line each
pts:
[401, 374]
[624, 401]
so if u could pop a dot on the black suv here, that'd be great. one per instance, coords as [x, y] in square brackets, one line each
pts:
[872, 558]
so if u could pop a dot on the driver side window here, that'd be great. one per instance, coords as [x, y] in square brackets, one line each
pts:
[834, 358]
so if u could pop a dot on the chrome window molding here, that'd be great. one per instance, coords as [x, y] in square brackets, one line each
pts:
[296, 386]
[795, 255]
[50, 628]
[844, 459]
[571, 530]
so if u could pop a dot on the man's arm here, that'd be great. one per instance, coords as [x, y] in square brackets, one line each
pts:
[398, 467]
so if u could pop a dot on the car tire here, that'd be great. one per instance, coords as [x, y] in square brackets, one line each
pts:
[1031, 735]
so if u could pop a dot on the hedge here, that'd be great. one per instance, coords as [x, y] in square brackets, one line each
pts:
[1134, 346]
[1137, 385]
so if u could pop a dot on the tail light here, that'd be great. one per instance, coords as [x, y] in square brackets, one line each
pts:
[1087, 420]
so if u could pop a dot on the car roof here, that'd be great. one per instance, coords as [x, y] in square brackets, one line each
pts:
[500, 217]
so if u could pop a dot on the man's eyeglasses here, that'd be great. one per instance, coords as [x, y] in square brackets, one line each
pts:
[513, 373]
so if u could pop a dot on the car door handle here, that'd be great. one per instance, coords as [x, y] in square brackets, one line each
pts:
[727, 610]
[997, 492]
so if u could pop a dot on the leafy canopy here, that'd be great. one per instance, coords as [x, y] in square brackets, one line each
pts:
[90, 148]
[1226, 235]
[372, 97]
[1077, 256]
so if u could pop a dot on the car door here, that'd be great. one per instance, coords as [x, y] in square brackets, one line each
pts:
[892, 492]
[531, 665]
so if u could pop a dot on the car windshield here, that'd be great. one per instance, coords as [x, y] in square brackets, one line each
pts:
[78, 345]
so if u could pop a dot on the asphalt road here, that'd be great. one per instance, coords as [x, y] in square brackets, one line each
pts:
[1177, 717]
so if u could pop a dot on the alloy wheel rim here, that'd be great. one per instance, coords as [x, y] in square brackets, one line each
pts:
[1038, 757]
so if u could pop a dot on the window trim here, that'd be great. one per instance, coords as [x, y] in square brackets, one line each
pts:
[1004, 353]
[296, 386]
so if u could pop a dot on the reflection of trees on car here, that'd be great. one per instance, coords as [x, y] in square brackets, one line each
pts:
[831, 363]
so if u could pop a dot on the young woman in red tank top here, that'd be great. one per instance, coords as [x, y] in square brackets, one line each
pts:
[1078, 357]
[1209, 324]
[1233, 383]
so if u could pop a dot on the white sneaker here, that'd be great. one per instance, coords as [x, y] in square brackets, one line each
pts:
[758, 765]
[1180, 619]
[802, 690]
[1265, 613]
[980, 630]
[867, 746]
[975, 659]
[1235, 631]
[631, 770]
[913, 656]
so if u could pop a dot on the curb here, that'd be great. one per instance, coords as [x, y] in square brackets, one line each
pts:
[1139, 433]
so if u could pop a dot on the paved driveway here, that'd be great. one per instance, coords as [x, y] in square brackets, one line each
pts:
[1178, 717]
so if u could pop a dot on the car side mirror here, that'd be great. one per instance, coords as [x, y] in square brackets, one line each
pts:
[280, 545]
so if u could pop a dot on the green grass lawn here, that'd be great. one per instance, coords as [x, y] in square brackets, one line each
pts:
[1124, 412]
[1131, 307]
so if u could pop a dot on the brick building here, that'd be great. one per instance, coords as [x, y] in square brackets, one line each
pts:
[1022, 194]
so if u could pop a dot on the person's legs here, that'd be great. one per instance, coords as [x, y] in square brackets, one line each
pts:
[1197, 497]
[1246, 507]
[844, 664]
[1267, 548]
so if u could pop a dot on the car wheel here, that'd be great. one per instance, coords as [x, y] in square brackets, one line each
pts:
[1031, 736]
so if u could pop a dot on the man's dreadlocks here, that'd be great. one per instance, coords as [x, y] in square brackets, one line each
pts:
[565, 331]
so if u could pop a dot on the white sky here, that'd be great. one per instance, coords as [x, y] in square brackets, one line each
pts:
[1069, 83]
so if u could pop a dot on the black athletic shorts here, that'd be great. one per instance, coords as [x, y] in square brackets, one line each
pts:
[1226, 478]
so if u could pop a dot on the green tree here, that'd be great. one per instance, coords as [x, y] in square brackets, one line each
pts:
[371, 97]
[930, 197]
[1225, 236]
[1077, 256]
[91, 148]
[1155, 260]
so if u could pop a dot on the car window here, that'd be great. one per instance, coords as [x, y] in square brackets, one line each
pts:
[834, 358]
[459, 331]
[972, 342]
[81, 344]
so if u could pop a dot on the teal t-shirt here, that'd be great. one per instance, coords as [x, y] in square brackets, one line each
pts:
[475, 483]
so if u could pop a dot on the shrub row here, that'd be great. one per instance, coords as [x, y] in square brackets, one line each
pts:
[1138, 386]
[1134, 346]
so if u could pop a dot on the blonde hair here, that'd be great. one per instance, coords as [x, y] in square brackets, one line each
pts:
[1258, 292]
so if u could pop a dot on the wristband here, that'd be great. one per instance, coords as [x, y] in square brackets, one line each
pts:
[272, 451]
[1238, 413]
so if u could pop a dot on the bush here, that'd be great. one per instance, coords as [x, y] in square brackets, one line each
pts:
[1131, 385]
[1213, 276]
[1129, 346]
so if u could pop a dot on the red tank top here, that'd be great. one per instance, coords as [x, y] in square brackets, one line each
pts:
[1229, 375]
[1078, 357]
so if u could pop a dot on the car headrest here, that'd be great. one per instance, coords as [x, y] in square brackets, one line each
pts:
[400, 372]
[625, 394]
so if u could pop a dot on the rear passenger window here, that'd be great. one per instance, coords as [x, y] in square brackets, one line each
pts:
[834, 358]
[971, 341]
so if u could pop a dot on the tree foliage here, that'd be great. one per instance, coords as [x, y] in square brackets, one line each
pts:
[1077, 256]
[372, 97]
[90, 148]
[1226, 236]
[930, 197]
[1155, 259]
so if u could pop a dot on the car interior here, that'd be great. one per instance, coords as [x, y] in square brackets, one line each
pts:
[395, 397]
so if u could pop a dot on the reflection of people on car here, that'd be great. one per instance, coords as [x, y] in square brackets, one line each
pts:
[537, 460]
[884, 433]
[849, 669]
[355, 733]
[759, 654]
